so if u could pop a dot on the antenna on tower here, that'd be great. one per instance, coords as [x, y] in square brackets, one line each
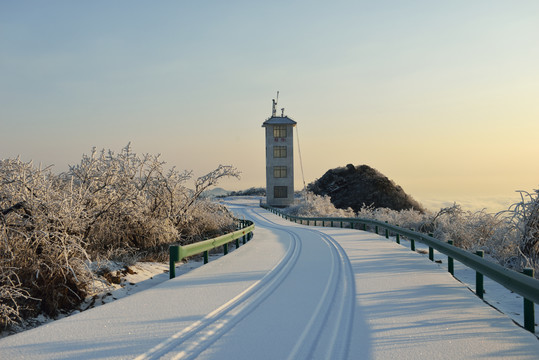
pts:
[274, 107]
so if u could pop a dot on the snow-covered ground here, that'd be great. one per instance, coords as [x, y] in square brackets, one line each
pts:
[293, 292]
[497, 296]
[132, 279]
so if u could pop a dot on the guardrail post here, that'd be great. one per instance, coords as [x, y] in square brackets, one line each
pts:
[529, 311]
[225, 248]
[341, 224]
[387, 232]
[364, 227]
[431, 250]
[479, 290]
[398, 238]
[174, 254]
[237, 243]
[412, 242]
[331, 223]
[450, 263]
[376, 229]
[206, 256]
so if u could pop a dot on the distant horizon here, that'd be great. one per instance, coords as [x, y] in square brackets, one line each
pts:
[440, 97]
[492, 203]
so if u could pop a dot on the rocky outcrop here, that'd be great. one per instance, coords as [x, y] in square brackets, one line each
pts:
[360, 186]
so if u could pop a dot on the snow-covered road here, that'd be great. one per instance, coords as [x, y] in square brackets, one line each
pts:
[294, 292]
[301, 309]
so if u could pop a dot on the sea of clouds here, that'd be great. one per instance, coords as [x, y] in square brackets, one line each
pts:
[491, 204]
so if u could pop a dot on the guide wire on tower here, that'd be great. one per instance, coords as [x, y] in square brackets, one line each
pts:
[301, 164]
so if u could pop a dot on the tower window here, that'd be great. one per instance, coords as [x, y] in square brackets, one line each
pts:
[279, 171]
[280, 192]
[279, 131]
[279, 151]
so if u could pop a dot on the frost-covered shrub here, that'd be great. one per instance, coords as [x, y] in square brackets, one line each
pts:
[131, 201]
[42, 258]
[410, 219]
[510, 238]
[477, 230]
[53, 226]
[468, 230]
[114, 193]
[207, 219]
[312, 205]
[524, 219]
[12, 295]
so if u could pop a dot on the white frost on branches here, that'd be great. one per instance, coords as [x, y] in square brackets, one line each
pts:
[510, 237]
[109, 204]
[524, 218]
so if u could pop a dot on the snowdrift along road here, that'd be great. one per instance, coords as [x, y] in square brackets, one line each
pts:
[293, 292]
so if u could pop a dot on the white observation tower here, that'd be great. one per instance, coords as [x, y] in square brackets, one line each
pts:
[279, 158]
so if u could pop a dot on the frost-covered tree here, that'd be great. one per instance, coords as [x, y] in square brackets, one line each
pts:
[132, 201]
[316, 205]
[510, 238]
[52, 227]
[524, 217]
[43, 263]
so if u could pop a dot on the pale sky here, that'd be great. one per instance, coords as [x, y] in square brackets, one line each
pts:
[442, 97]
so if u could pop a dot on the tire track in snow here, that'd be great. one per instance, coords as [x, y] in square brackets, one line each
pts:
[328, 332]
[206, 331]
[327, 335]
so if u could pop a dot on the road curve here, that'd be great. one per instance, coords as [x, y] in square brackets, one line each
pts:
[301, 309]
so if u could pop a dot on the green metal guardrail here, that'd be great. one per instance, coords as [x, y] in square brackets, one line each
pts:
[523, 284]
[178, 252]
